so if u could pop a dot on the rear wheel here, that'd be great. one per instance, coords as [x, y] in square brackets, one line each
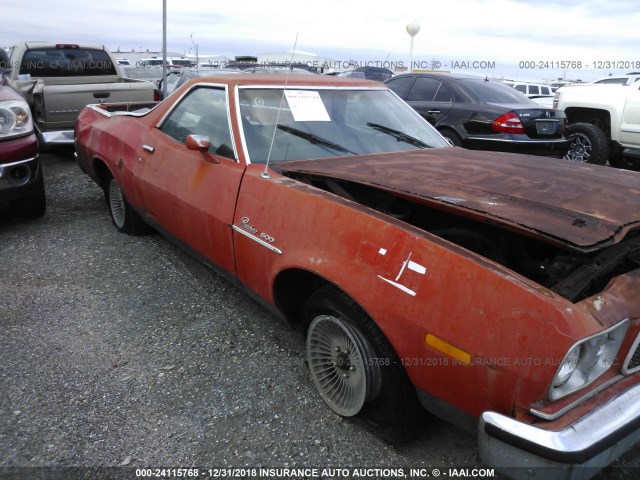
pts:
[124, 217]
[452, 137]
[587, 144]
[355, 369]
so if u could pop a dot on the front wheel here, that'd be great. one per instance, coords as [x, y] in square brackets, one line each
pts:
[587, 144]
[355, 369]
[124, 217]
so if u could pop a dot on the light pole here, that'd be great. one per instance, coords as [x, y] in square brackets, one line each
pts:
[164, 48]
[195, 47]
[412, 29]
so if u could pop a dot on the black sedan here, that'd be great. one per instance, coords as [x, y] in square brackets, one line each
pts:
[483, 114]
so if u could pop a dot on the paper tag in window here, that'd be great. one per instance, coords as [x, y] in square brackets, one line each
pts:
[306, 106]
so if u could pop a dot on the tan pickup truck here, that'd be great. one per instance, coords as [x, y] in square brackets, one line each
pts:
[58, 80]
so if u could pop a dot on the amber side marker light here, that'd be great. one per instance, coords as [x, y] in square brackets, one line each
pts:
[448, 349]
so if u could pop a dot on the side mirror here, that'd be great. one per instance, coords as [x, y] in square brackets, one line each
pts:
[200, 143]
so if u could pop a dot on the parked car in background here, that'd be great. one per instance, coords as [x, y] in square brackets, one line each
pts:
[58, 80]
[628, 79]
[172, 62]
[377, 74]
[149, 74]
[499, 291]
[532, 90]
[21, 178]
[538, 92]
[603, 123]
[177, 78]
[483, 114]
[283, 69]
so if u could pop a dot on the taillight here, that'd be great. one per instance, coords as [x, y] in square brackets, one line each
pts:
[508, 123]
[157, 95]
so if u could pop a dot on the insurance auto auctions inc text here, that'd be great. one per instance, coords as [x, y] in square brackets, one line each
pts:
[324, 473]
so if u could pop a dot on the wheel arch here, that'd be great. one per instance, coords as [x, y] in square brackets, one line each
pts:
[292, 288]
[595, 116]
[101, 171]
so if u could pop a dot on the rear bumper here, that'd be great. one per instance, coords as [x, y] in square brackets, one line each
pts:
[515, 144]
[577, 452]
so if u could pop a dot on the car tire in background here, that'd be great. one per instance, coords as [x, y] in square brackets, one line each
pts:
[587, 144]
[355, 369]
[123, 216]
[452, 137]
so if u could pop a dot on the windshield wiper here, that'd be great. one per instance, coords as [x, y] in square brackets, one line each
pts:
[401, 136]
[315, 139]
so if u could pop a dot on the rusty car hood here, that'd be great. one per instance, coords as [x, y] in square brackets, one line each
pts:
[584, 207]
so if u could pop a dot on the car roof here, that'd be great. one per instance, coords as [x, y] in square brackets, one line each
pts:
[450, 75]
[291, 80]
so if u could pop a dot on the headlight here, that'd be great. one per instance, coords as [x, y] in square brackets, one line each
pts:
[15, 118]
[587, 360]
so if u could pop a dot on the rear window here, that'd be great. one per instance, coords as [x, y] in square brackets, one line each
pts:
[490, 91]
[66, 62]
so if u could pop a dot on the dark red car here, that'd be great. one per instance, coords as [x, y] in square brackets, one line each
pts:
[21, 180]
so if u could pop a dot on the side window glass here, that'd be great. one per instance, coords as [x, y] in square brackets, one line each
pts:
[424, 89]
[444, 93]
[202, 112]
[401, 85]
[534, 90]
[521, 88]
[545, 90]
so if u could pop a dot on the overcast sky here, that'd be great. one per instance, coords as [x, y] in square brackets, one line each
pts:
[505, 32]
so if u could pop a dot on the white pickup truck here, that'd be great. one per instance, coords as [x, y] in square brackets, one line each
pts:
[59, 80]
[604, 123]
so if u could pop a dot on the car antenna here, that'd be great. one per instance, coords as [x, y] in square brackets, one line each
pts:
[265, 174]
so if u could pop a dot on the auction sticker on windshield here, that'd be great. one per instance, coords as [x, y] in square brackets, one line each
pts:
[306, 106]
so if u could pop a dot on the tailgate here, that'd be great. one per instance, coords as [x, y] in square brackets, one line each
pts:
[62, 103]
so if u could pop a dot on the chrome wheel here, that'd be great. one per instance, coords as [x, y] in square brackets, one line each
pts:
[587, 144]
[579, 149]
[116, 204]
[342, 367]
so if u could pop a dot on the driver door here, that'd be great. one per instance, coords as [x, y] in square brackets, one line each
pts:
[189, 193]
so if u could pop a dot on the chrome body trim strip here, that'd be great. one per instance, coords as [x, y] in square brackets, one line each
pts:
[256, 239]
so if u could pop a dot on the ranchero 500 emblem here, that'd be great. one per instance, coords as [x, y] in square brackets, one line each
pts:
[251, 232]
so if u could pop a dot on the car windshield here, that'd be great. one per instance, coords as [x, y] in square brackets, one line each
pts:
[313, 123]
[491, 91]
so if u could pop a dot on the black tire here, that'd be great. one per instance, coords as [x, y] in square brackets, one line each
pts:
[346, 348]
[34, 205]
[587, 144]
[452, 136]
[123, 216]
[626, 163]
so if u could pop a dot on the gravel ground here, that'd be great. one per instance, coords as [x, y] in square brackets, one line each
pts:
[119, 350]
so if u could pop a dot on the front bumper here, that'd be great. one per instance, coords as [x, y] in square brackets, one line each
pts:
[579, 451]
[56, 137]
